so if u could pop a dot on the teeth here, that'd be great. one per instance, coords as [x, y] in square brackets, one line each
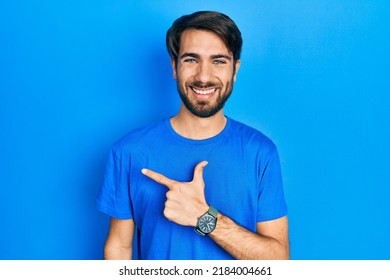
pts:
[204, 92]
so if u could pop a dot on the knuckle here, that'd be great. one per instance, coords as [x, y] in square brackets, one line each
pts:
[176, 186]
[159, 178]
[167, 214]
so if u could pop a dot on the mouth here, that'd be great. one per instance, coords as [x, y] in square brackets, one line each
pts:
[204, 93]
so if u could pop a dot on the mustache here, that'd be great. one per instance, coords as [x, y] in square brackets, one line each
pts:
[199, 84]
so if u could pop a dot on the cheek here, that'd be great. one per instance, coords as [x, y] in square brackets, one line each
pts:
[226, 75]
[183, 76]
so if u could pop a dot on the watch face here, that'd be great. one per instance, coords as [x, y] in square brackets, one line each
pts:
[206, 223]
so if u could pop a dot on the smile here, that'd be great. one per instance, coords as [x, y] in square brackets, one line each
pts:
[204, 92]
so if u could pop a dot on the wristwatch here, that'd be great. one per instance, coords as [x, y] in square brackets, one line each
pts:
[207, 222]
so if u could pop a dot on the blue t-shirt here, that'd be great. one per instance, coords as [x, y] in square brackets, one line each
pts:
[242, 180]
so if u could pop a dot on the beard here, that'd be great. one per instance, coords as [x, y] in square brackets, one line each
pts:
[204, 108]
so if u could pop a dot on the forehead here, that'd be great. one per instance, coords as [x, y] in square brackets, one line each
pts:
[202, 42]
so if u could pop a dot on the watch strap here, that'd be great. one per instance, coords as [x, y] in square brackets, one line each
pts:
[213, 212]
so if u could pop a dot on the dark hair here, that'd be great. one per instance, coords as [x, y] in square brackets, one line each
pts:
[215, 22]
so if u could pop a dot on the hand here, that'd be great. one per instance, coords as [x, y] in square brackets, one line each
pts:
[185, 200]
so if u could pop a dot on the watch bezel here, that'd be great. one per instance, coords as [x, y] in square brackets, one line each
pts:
[208, 214]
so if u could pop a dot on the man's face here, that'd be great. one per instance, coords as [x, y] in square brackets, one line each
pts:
[205, 72]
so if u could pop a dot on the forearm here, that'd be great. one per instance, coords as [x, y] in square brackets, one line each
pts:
[244, 244]
[186, 204]
[112, 252]
[119, 243]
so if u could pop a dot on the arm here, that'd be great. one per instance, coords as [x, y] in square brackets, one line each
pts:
[119, 241]
[270, 241]
[186, 202]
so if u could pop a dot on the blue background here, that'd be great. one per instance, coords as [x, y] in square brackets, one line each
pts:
[77, 75]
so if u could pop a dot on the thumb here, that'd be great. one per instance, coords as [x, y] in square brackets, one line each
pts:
[198, 172]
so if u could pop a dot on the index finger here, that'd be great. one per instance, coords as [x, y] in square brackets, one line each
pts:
[159, 178]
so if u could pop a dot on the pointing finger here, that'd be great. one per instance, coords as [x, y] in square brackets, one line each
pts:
[198, 173]
[159, 178]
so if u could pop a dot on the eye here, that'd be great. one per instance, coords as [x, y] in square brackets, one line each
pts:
[219, 61]
[190, 60]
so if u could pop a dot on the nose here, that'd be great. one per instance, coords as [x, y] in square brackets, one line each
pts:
[204, 72]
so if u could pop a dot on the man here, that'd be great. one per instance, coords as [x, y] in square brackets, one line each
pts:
[198, 185]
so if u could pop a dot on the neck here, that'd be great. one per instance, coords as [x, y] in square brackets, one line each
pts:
[190, 126]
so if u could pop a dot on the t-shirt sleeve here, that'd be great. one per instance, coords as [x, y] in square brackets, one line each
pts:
[271, 201]
[114, 194]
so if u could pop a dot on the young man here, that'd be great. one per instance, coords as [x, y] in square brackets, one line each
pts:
[199, 185]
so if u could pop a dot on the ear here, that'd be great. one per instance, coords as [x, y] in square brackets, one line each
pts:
[238, 63]
[173, 64]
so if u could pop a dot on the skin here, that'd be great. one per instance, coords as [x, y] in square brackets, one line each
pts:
[204, 59]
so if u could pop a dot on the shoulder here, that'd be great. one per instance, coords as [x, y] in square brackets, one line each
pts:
[251, 136]
[140, 137]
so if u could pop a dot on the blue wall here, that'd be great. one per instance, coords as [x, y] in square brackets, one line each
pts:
[77, 75]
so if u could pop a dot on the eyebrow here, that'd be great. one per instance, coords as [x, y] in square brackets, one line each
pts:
[221, 56]
[195, 55]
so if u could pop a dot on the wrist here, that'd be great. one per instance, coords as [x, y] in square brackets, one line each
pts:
[201, 210]
[207, 222]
